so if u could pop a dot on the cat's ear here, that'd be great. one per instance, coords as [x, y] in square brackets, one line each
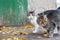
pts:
[40, 14]
[31, 12]
[58, 8]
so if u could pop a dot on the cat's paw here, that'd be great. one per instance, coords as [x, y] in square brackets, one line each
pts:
[51, 35]
[35, 31]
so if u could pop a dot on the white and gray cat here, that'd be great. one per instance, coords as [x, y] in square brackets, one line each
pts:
[53, 17]
[33, 19]
[52, 24]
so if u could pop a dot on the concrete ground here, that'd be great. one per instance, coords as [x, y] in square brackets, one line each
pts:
[30, 36]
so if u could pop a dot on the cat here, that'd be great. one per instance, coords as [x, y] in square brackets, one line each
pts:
[49, 20]
[33, 19]
[53, 19]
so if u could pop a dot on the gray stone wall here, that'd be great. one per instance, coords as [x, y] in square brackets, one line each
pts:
[41, 5]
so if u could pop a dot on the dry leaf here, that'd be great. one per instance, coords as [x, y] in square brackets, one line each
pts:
[4, 28]
[3, 39]
[28, 26]
[23, 33]
[39, 37]
[15, 38]
[0, 28]
[46, 35]
[3, 32]
[0, 38]
[22, 39]
[9, 38]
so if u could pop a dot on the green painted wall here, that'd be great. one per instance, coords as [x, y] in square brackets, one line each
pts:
[13, 12]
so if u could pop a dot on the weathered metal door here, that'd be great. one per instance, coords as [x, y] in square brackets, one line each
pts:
[13, 12]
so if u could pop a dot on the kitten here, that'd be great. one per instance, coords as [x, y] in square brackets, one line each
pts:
[53, 17]
[33, 20]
